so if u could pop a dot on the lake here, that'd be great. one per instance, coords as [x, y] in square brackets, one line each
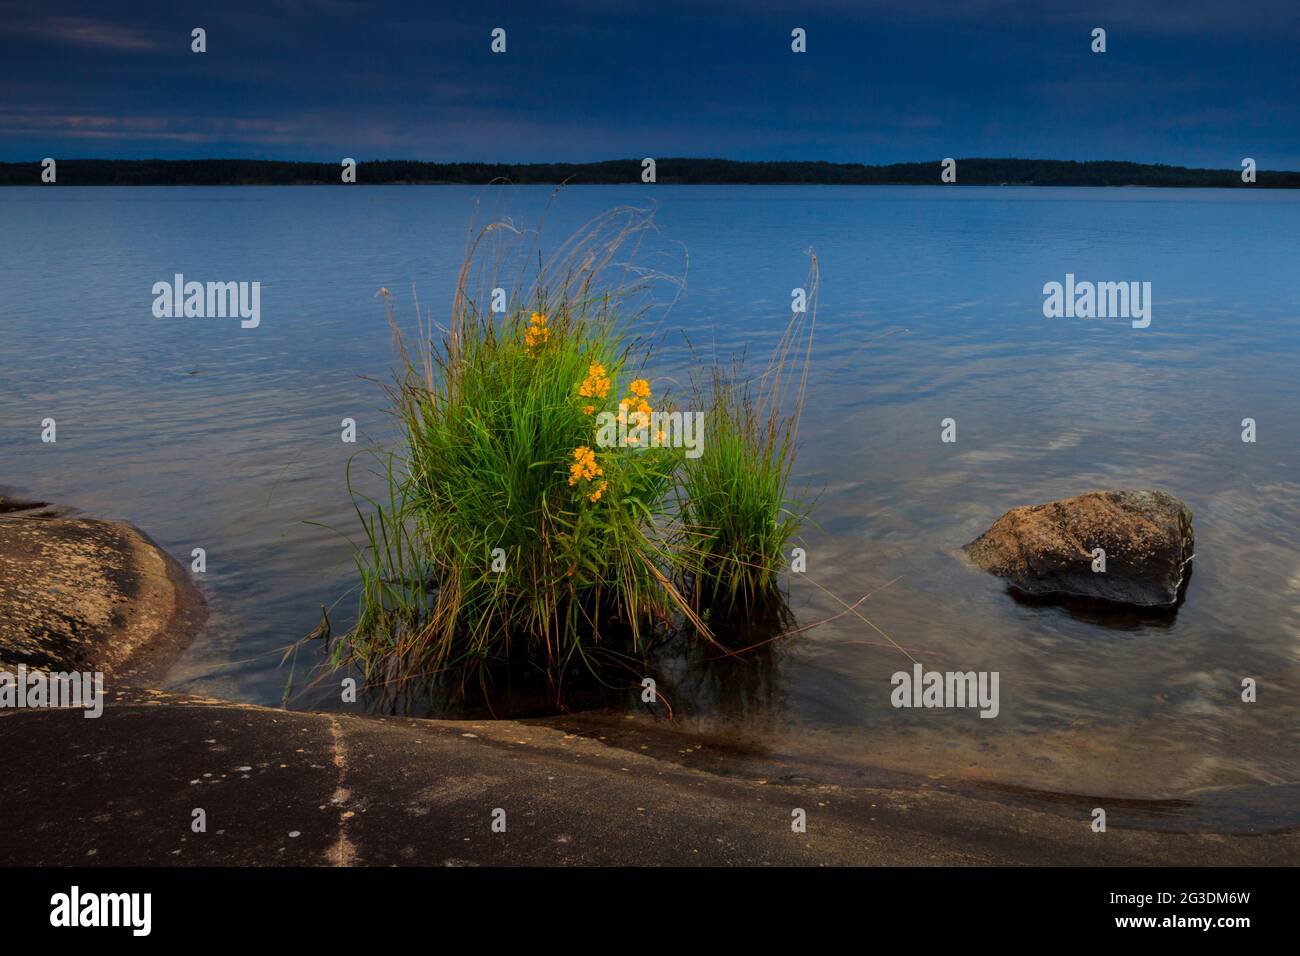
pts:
[209, 435]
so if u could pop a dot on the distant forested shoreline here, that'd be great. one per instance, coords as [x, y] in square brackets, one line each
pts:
[970, 172]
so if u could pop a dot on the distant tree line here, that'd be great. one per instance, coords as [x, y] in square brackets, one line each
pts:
[970, 172]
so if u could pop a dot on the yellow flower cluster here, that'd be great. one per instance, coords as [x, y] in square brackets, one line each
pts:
[537, 332]
[584, 466]
[639, 391]
[595, 385]
[635, 409]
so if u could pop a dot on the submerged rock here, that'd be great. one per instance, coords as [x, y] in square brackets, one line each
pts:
[28, 509]
[1052, 549]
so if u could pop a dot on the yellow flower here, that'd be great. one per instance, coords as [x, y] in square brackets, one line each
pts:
[588, 410]
[640, 388]
[644, 408]
[584, 466]
[595, 495]
[596, 384]
[536, 336]
[537, 332]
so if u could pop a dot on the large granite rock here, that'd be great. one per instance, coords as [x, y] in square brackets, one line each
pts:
[77, 593]
[1049, 549]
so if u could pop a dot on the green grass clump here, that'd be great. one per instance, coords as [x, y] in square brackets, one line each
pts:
[510, 533]
[514, 529]
[737, 517]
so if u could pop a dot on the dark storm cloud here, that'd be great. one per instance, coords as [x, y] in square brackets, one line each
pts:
[1195, 83]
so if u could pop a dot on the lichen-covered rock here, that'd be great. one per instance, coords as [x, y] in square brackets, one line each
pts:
[1052, 549]
[77, 593]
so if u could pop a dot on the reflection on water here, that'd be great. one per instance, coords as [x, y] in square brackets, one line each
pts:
[745, 685]
[1101, 613]
[210, 436]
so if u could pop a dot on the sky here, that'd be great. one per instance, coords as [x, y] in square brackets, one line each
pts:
[1186, 82]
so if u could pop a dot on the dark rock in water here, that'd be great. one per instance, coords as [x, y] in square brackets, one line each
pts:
[1049, 549]
[29, 509]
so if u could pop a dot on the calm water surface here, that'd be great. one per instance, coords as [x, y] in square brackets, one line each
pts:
[207, 435]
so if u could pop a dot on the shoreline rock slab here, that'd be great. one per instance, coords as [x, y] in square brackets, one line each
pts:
[313, 789]
[1049, 550]
[82, 594]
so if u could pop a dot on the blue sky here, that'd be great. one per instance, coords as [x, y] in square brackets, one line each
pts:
[1188, 82]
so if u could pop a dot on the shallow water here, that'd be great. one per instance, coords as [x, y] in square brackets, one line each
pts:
[208, 435]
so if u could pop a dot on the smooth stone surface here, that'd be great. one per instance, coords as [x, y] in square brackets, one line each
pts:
[381, 792]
